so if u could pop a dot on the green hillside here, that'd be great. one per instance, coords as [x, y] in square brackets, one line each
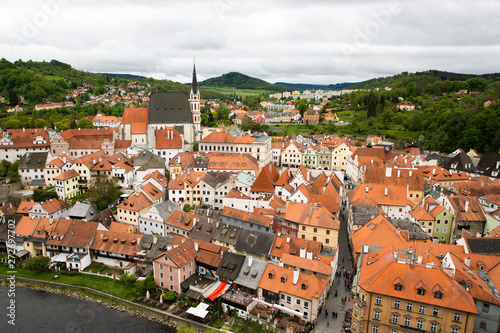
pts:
[449, 81]
[240, 81]
[39, 82]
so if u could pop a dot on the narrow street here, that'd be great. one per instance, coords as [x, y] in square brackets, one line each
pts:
[328, 323]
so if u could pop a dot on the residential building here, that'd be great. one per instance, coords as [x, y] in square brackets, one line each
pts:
[129, 211]
[397, 291]
[31, 168]
[67, 184]
[174, 266]
[115, 249]
[17, 142]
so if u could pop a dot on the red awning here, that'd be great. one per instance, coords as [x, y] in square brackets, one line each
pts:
[219, 290]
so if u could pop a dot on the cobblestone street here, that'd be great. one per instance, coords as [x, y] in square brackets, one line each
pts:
[334, 304]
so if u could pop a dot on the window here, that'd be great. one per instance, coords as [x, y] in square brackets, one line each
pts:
[362, 297]
[420, 324]
[306, 305]
[420, 291]
[438, 295]
[409, 306]
[437, 229]
[315, 230]
[378, 300]
[454, 330]
[434, 327]
[282, 296]
[482, 325]
[457, 316]
[356, 312]
[421, 309]
[395, 318]
[171, 278]
[170, 269]
[486, 308]
[396, 304]
[435, 312]
[398, 287]
[298, 301]
[375, 329]
[354, 325]
[407, 321]
[303, 228]
[394, 331]
[161, 275]
[376, 315]
[288, 299]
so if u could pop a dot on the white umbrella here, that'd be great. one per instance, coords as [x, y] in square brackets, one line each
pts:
[147, 294]
[161, 299]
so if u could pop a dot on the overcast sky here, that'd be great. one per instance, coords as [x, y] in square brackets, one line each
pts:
[323, 41]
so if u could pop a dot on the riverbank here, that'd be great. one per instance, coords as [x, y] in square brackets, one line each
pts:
[110, 304]
[138, 310]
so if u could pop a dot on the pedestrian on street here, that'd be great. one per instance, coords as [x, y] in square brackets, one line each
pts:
[327, 324]
[335, 293]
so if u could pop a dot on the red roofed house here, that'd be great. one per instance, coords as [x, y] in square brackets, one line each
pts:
[129, 211]
[174, 266]
[17, 142]
[395, 289]
[67, 184]
[301, 293]
[115, 249]
[51, 208]
[168, 143]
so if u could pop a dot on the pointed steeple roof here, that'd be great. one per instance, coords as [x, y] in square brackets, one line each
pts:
[194, 84]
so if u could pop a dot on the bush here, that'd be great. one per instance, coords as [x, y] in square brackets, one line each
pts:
[68, 273]
[170, 296]
[38, 264]
[128, 279]
[182, 296]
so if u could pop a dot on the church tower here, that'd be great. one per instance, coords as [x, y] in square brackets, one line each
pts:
[194, 102]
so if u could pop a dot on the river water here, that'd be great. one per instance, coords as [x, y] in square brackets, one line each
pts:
[41, 312]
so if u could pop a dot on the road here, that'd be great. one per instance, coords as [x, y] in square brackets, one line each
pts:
[335, 303]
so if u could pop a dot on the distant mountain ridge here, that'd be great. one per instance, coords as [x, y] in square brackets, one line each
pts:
[240, 81]
[124, 76]
[307, 86]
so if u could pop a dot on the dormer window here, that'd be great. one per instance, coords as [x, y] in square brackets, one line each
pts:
[304, 287]
[283, 279]
[398, 287]
[438, 295]
[421, 291]
[271, 275]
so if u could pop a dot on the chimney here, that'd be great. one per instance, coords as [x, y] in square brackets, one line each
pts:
[250, 261]
[399, 173]
[295, 276]
[388, 172]
[366, 189]
[196, 246]
[467, 262]
[434, 171]
[398, 232]
[194, 221]
[155, 239]
[138, 240]
[410, 173]
[395, 254]
[302, 253]
[51, 220]
[102, 235]
[365, 248]
[467, 206]
[288, 240]
[385, 191]
[435, 240]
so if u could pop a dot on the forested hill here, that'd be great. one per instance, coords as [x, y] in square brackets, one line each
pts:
[40, 82]
[240, 81]
[423, 78]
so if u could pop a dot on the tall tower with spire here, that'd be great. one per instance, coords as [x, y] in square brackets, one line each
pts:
[194, 102]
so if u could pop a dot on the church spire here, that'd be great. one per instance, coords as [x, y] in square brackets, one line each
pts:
[194, 85]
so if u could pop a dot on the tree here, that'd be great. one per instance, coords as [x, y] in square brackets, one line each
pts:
[302, 107]
[13, 99]
[371, 105]
[4, 168]
[85, 123]
[41, 123]
[39, 264]
[13, 173]
[41, 195]
[476, 84]
[103, 191]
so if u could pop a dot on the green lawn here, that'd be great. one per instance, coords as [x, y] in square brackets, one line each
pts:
[103, 284]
